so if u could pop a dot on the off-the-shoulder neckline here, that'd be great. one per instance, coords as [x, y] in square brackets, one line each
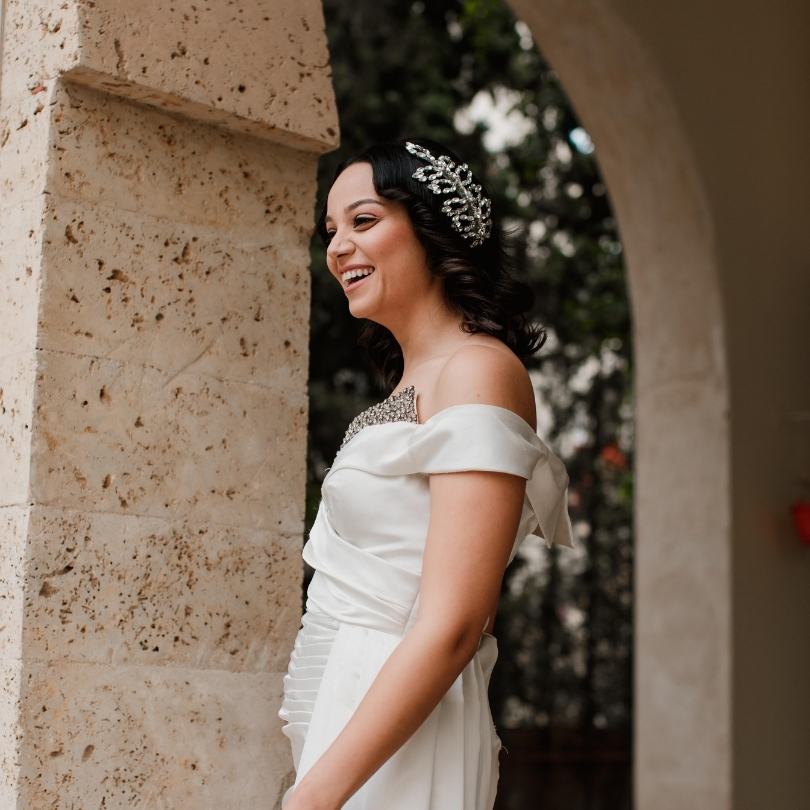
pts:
[511, 414]
[516, 419]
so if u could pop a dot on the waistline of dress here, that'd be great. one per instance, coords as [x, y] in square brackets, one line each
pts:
[487, 648]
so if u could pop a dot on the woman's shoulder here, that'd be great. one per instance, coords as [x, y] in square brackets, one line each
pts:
[488, 373]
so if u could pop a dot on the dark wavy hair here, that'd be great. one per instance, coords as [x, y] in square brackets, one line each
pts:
[478, 283]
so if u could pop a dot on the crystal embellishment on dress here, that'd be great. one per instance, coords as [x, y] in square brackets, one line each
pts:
[399, 407]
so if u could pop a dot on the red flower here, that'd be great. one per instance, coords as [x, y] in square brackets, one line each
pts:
[613, 457]
[801, 520]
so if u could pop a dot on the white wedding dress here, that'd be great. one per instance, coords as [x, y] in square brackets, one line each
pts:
[366, 547]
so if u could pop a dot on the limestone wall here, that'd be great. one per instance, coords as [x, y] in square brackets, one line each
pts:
[157, 182]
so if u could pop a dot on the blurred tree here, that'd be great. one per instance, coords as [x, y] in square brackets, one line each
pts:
[467, 73]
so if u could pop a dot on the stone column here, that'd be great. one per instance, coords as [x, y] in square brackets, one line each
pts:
[157, 187]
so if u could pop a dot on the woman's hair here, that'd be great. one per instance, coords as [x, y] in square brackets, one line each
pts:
[477, 282]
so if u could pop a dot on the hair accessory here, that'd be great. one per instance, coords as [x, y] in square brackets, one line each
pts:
[469, 209]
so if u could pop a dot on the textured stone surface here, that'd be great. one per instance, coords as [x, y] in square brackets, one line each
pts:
[128, 589]
[157, 737]
[130, 439]
[154, 255]
[10, 730]
[260, 68]
[137, 288]
[17, 382]
[13, 536]
[24, 132]
[41, 40]
[20, 258]
[176, 169]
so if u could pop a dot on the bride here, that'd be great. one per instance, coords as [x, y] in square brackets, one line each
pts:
[431, 493]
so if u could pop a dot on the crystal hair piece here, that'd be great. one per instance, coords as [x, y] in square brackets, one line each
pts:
[469, 210]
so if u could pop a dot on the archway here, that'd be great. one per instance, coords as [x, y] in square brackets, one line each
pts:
[682, 731]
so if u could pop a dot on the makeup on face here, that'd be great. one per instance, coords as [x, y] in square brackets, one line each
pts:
[368, 233]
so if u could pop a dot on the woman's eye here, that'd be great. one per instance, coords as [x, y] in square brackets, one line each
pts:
[359, 220]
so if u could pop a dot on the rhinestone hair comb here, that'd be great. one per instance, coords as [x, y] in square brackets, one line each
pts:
[469, 210]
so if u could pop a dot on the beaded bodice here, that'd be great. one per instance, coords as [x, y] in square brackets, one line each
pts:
[399, 407]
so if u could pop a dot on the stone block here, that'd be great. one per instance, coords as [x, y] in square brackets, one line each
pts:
[108, 150]
[132, 590]
[145, 290]
[130, 439]
[156, 737]
[269, 77]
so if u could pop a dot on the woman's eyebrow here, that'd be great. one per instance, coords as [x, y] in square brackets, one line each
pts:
[355, 204]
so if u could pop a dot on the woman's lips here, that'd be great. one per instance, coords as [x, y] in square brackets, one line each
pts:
[355, 284]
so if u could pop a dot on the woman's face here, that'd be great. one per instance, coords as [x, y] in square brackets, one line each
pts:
[368, 231]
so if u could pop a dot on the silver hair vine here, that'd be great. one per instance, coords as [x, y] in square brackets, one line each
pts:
[469, 210]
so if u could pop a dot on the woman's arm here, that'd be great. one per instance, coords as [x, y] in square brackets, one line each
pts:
[409, 685]
[474, 518]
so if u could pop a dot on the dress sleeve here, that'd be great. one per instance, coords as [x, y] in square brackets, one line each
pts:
[488, 437]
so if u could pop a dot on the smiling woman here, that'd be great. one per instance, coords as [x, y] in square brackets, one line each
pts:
[365, 235]
[427, 500]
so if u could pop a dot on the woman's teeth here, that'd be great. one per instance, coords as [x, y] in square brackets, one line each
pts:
[352, 279]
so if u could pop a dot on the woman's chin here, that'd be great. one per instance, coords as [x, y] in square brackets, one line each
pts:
[361, 300]
[361, 309]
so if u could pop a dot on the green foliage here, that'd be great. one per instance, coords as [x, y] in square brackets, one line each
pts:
[410, 68]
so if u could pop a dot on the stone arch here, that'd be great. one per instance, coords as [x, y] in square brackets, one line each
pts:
[682, 668]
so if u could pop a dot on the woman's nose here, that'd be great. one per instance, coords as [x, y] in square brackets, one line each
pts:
[338, 246]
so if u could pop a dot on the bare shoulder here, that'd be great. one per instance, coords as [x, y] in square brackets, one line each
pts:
[491, 374]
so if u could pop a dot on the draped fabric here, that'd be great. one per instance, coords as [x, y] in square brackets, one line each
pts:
[366, 547]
